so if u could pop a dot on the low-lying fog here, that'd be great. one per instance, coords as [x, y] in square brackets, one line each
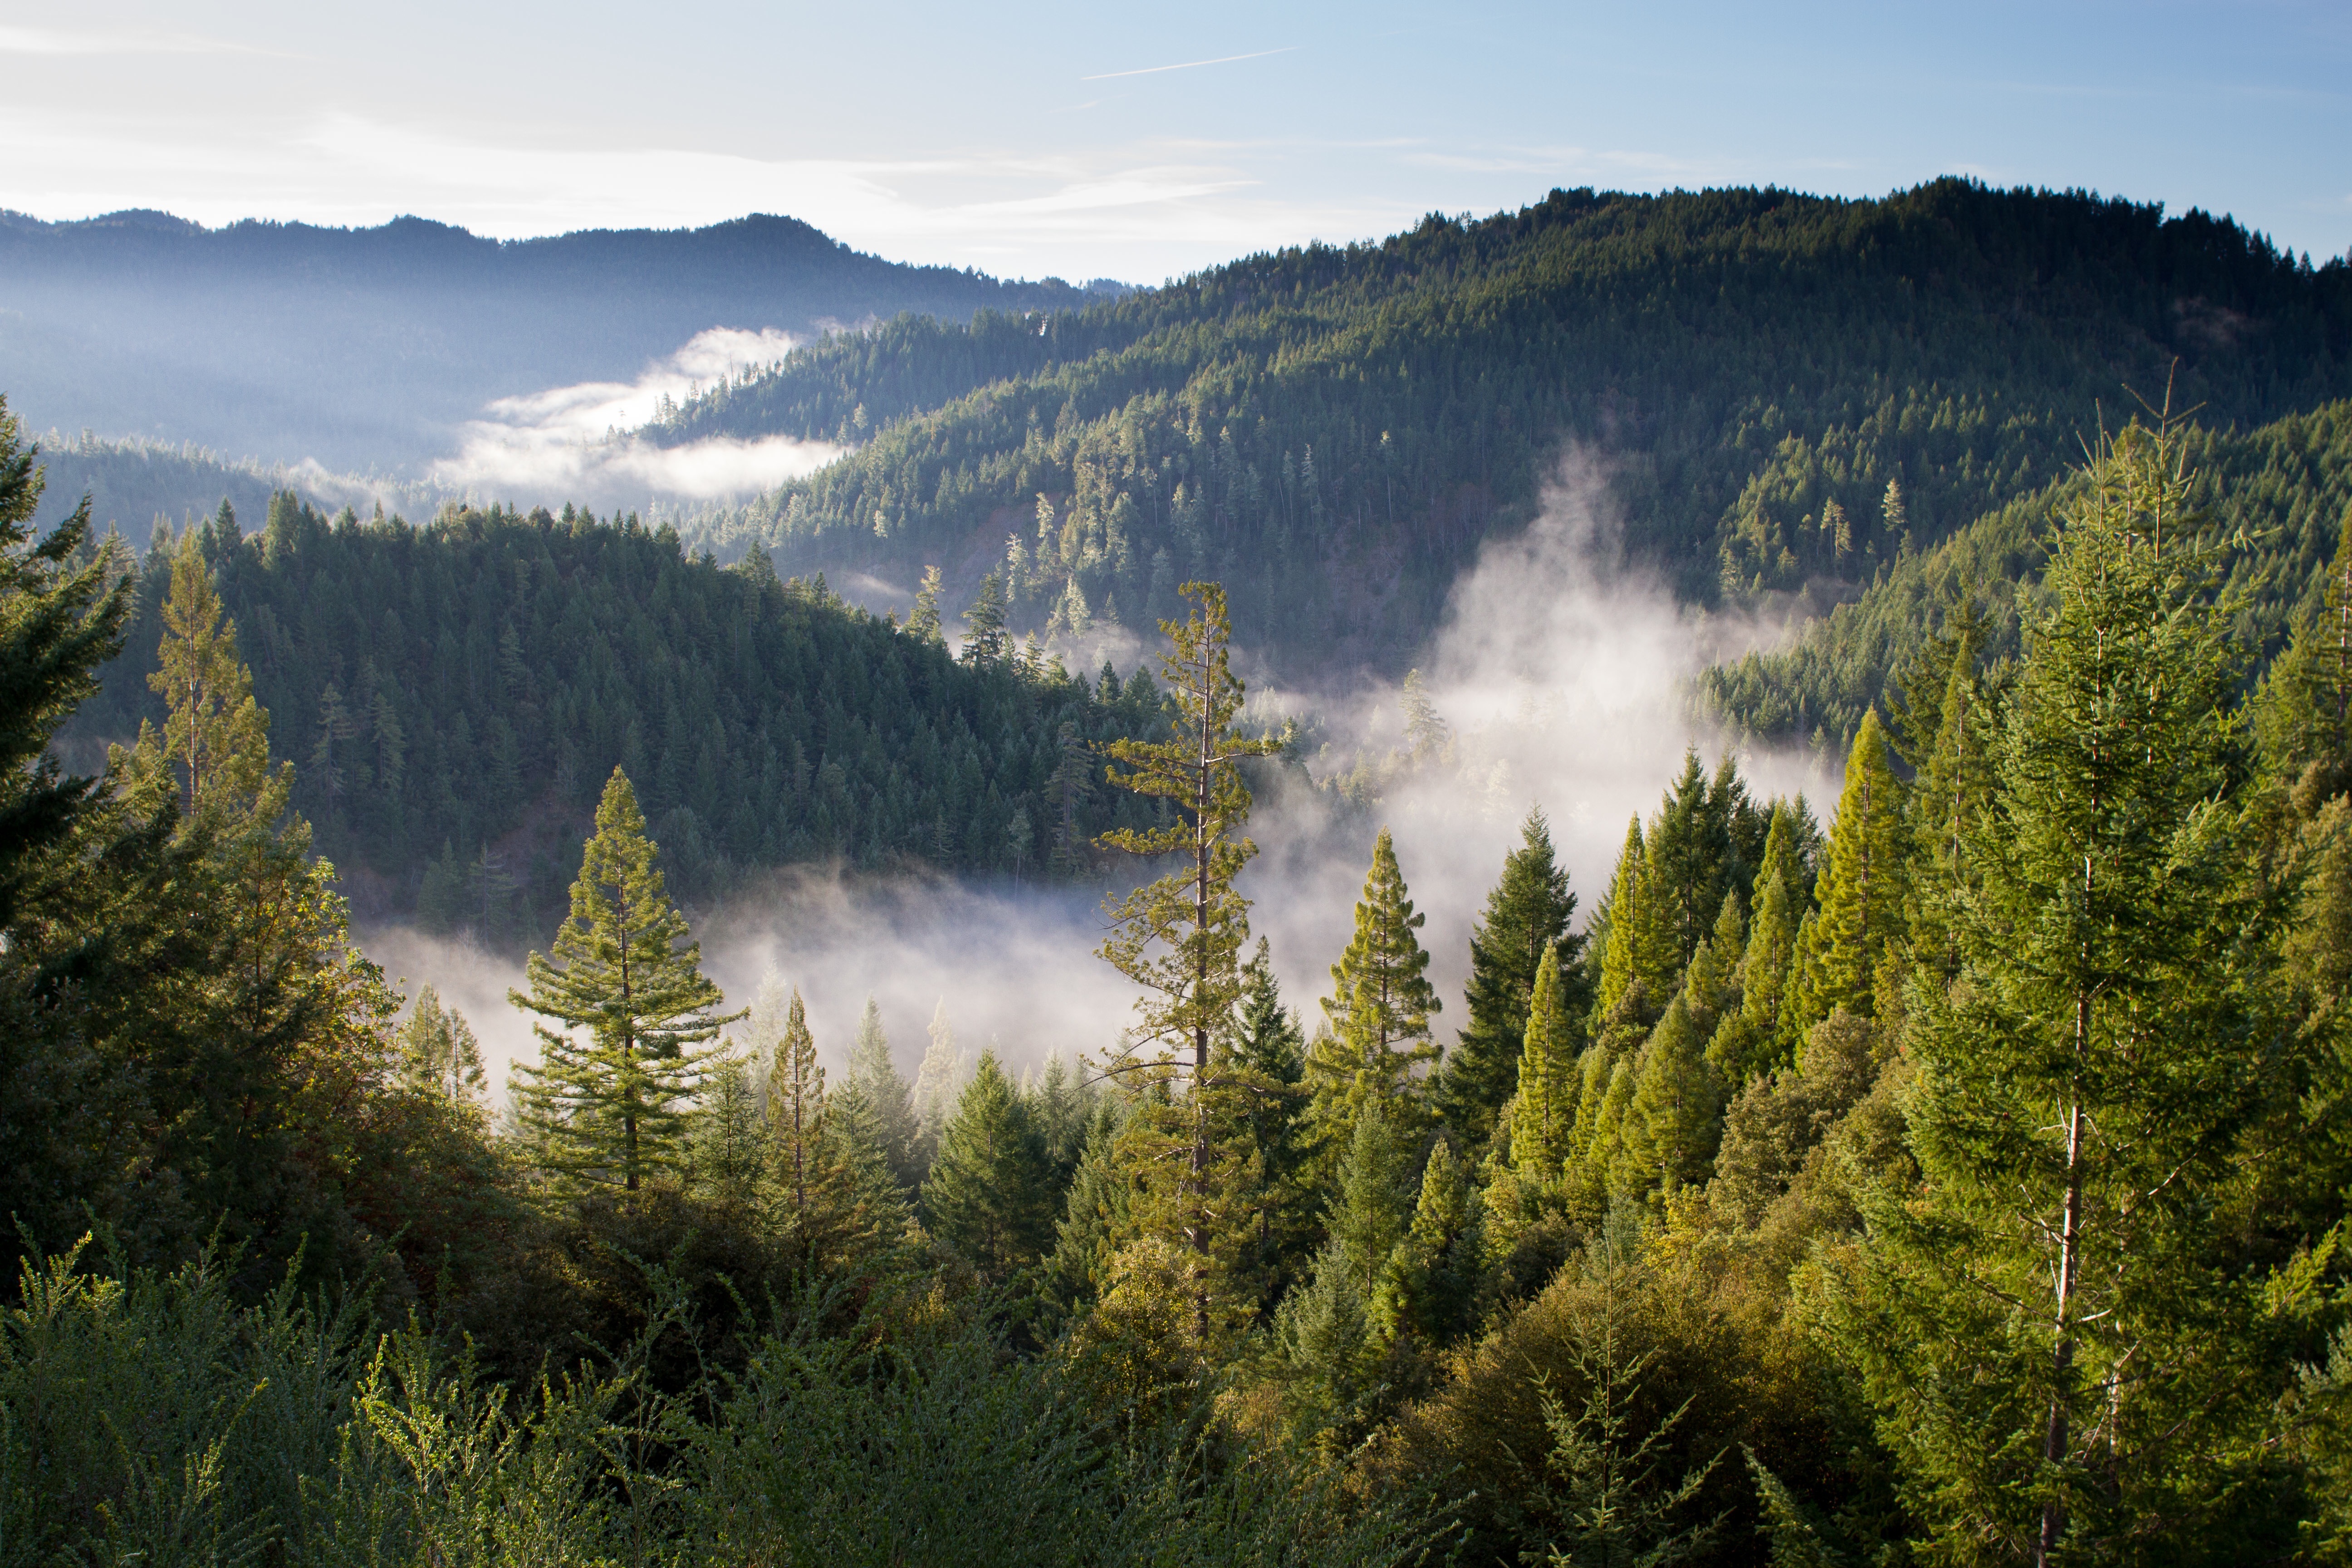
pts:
[1560, 675]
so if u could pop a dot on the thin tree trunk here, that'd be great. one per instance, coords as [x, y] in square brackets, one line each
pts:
[1202, 846]
[2070, 1233]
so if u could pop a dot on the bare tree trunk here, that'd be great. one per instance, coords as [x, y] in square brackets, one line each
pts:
[2070, 1237]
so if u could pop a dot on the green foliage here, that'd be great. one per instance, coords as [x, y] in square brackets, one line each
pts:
[1378, 1011]
[438, 1051]
[625, 969]
[1524, 927]
[1803, 386]
[886, 1095]
[458, 692]
[1862, 892]
[1544, 1114]
[989, 1194]
[2051, 1328]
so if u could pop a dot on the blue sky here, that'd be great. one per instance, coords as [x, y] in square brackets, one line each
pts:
[1142, 142]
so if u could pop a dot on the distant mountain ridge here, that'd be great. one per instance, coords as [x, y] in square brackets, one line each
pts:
[364, 347]
[1785, 388]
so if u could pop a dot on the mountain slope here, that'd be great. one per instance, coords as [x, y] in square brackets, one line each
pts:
[2287, 486]
[1333, 432]
[361, 347]
[456, 695]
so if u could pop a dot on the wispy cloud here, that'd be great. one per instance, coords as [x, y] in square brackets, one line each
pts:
[574, 443]
[16, 40]
[1191, 65]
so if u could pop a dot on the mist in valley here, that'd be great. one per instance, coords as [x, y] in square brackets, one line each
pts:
[1560, 676]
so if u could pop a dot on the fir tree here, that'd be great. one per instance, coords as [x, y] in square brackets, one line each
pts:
[1526, 921]
[1675, 1117]
[896, 1130]
[727, 1138]
[1637, 957]
[1372, 1200]
[1266, 1058]
[985, 641]
[1545, 1111]
[1437, 1275]
[2051, 1323]
[1379, 1008]
[1862, 889]
[937, 1081]
[1179, 937]
[1751, 1042]
[624, 969]
[1098, 1213]
[796, 1110]
[923, 620]
[216, 739]
[437, 1053]
[989, 1194]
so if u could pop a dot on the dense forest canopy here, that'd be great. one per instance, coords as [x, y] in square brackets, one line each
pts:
[1956, 1174]
[457, 693]
[1787, 389]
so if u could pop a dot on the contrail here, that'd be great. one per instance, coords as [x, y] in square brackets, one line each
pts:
[1188, 65]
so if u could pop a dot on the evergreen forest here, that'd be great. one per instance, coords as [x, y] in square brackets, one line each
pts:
[1953, 1173]
[1785, 393]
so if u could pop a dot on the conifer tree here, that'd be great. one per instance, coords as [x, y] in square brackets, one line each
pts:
[728, 1142]
[872, 1200]
[985, 641]
[1379, 1008]
[872, 1073]
[437, 1053]
[1751, 1042]
[1862, 888]
[624, 969]
[796, 1110]
[216, 740]
[1637, 958]
[1372, 1200]
[1098, 1213]
[1544, 1112]
[1675, 1117]
[2056, 1333]
[923, 620]
[1435, 1276]
[937, 1081]
[1266, 1058]
[2303, 717]
[1525, 919]
[989, 1194]
[1179, 937]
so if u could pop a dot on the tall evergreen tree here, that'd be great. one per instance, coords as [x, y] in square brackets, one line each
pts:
[1749, 1042]
[437, 1052]
[2051, 1323]
[624, 969]
[1674, 1119]
[1545, 1111]
[887, 1094]
[1179, 937]
[938, 1082]
[217, 740]
[1637, 955]
[989, 1194]
[1379, 1008]
[1266, 1058]
[1437, 1274]
[1863, 890]
[796, 1110]
[1526, 919]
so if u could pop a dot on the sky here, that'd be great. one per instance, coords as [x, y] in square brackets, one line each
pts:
[1144, 142]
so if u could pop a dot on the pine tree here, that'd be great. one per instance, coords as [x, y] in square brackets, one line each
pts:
[1545, 1111]
[923, 620]
[1378, 1009]
[1179, 937]
[2058, 1337]
[1372, 1200]
[1637, 957]
[985, 641]
[623, 968]
[990, 1194]
[1266, 1060]
[728, 1142]
[796, 1110]
[437, 1053]
[1525, 926]
[216, 739]
[1674, 1119]
[1751, 1042]
[1436, 1277]
[1097, 1214]
[896, 1130]
[937, 1081]
[1862, 888]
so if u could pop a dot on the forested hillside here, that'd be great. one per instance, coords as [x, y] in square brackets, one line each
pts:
[1786, 388]
[2282, 495]
[1958, 1177]
[457, 693]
